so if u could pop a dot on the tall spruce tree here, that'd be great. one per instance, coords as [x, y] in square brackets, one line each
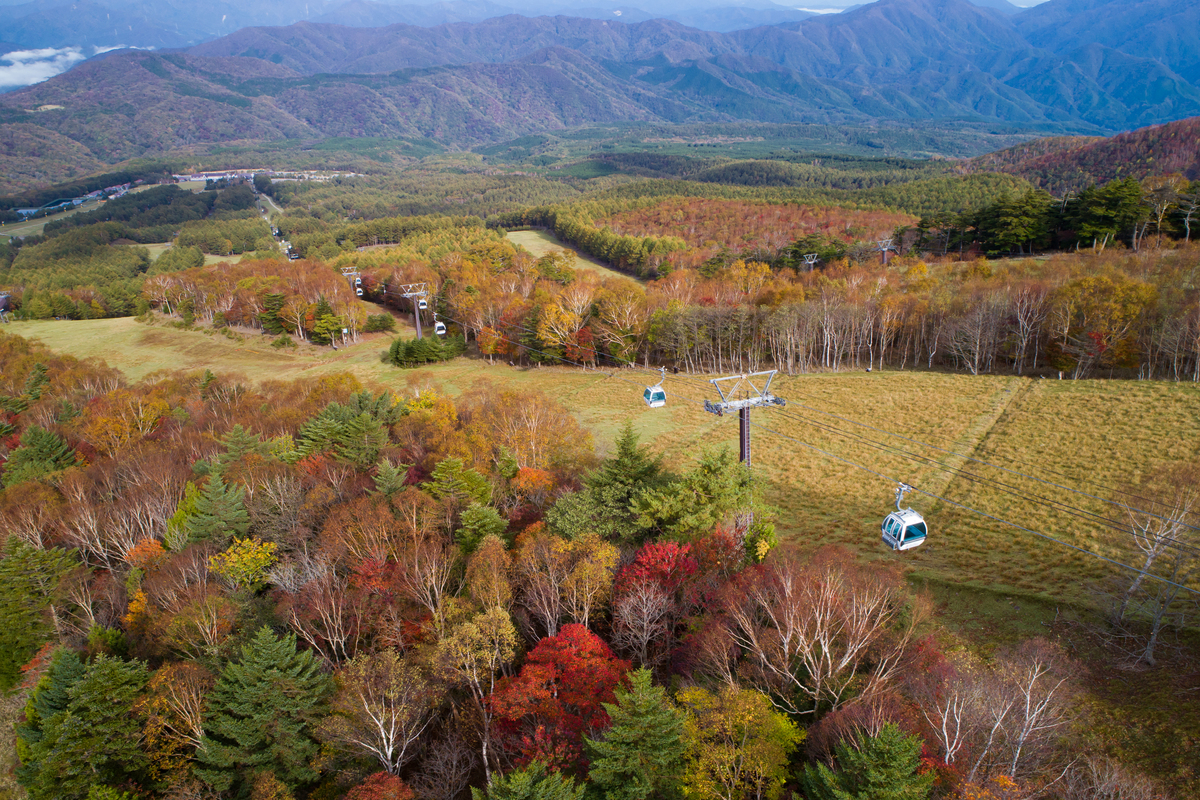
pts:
[30, 582]
[882, 767]
[607, 504]
[531, 782]
[49, 698]
[41, 453]
[261, 718]
[642, 754]
[220, 513]
[96, 740]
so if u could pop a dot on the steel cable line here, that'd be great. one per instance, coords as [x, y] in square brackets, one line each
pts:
[892, 480]
[997, 466]
[1075, 511]
[965, 507]
[1106, 520]
[1079, 513]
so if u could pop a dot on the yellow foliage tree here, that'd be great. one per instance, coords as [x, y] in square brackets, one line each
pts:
[245, 563]
[737, 745]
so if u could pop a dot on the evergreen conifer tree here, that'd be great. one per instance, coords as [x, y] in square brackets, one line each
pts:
[48, 699]
[220, 513]
[96, 741]
[389, 478]
[360, 441]
[607, 504]
[532, 782]
[29, 585]
[477, 523]
[239, 443]
[261, 717]
[882, 767]
[642, 754]
[41, 453]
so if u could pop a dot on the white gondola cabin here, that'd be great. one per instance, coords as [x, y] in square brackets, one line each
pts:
[904, 528]
[359, 291]
[439, 328]
[422, 305]
[655, 396]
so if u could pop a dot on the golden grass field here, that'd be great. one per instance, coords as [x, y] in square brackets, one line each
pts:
[542, 242]
[1097, 436]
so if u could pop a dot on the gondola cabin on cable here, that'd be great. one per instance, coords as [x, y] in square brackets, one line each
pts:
[905, 528]
[422, 305]
[439, 328]
[655, 396]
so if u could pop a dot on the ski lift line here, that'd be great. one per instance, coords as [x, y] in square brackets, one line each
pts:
[1146, 500]
[889, 479]
[965, 507]
[1082, 514]
[795, 403]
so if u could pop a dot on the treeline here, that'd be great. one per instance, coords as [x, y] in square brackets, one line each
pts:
[312, 237]
[1124, 211]
[275, 296]
[1115, 313]
[312, 590]
[84, 266]
[431, 187]
[150, 173]
[150, 216]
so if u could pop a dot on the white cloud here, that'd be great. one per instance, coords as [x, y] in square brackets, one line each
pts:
[25, 67]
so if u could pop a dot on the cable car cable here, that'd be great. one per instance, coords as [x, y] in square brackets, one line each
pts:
[891, 480]
[965, 507]
[982, 461]
[1079, 513]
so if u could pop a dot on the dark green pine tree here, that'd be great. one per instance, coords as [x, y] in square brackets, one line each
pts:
[220, 513]
[360, 441]
[30, 582]
[261, 717]
[97, 740]
[532, 782]
[48, 699]
[41, 453]
[269, 316]
[882, 767]
[642, 754]
[607, 504]
[389, 478]
[239, 443]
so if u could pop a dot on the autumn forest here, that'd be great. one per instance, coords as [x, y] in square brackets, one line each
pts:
[219, 585]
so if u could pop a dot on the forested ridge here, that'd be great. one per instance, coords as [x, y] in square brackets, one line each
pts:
[319, 589]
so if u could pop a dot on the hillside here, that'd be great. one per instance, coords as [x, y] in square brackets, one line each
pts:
[466, 85]
[1073, 163]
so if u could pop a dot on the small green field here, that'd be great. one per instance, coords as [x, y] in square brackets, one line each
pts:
[542, 242]
[832, 480]
[34, 227]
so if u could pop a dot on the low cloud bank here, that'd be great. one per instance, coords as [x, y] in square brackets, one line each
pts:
[24, 67]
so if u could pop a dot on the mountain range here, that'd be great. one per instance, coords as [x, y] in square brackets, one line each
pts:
[1057, 67]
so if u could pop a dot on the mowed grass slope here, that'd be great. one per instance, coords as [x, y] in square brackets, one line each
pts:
[539, 243]
[1095, 436]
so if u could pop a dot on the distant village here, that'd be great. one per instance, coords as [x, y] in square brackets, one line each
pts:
[119, 190]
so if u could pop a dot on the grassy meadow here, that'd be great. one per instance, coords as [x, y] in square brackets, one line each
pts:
[539, 243]
[1096, 436]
